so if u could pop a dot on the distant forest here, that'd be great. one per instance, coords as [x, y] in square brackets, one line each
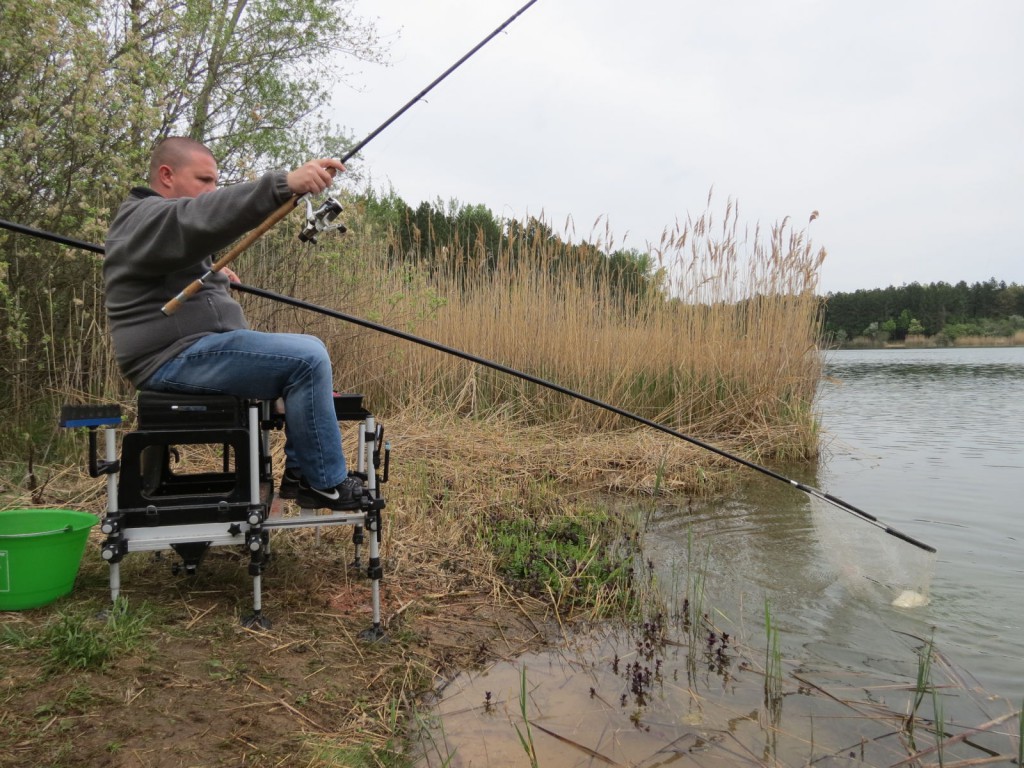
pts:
[941, 311]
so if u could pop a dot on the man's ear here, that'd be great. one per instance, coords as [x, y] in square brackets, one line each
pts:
[164, 177]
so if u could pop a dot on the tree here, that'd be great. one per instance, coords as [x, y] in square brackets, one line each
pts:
[66, 148]
[632, 276]
[926, 309]
[982, 301]
[67, 123]
[246, 77]
[87, 88]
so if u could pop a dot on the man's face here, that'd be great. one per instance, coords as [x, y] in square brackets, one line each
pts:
[191, 177]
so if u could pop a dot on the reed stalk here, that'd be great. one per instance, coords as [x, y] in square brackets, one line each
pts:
[525, 734]
[940, 730]
[1020, 735]
[696, 593]
[772, 663]
[921, 687]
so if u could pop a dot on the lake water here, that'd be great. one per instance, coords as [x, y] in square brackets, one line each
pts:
[931, 442]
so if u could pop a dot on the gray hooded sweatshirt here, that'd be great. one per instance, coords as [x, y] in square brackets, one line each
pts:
[155, 247]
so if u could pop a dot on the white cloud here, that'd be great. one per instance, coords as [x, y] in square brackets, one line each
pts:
[901, 122]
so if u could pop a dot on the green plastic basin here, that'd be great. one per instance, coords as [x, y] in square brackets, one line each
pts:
[40, 551]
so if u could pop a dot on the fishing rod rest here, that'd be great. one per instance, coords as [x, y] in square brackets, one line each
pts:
[197, 472]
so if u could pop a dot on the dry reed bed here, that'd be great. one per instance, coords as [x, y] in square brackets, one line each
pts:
[723, 346]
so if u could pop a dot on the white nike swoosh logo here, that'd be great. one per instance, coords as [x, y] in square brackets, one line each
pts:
[332, 495]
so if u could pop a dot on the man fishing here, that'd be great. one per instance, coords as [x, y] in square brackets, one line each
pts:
[162, 239]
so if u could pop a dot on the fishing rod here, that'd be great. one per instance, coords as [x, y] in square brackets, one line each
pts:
[291, 301]
[810, 490]
[319, 220]
[44, 235]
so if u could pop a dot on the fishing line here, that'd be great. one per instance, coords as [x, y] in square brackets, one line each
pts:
[810, 490]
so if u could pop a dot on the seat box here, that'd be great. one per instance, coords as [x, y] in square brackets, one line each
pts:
[168, 410]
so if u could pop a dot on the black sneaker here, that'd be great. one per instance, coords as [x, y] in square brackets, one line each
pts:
[347, 495]
[290, 481]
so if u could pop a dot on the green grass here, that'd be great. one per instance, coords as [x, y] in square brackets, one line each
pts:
[78, 639]
[940, 726]
[327, 755]
[584, 561]
[326, 752]
[1020, 735]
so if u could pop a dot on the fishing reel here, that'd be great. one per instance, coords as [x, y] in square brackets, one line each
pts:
[321, 220]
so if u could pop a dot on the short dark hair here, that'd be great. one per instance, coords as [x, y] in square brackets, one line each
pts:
[172, 151]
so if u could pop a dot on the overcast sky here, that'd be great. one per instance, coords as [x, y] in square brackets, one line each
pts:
[901, 122]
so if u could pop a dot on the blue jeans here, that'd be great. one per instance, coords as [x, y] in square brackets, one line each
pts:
[266, 366]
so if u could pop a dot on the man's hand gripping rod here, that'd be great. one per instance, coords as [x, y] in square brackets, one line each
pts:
[316, 222]
[326, 212]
